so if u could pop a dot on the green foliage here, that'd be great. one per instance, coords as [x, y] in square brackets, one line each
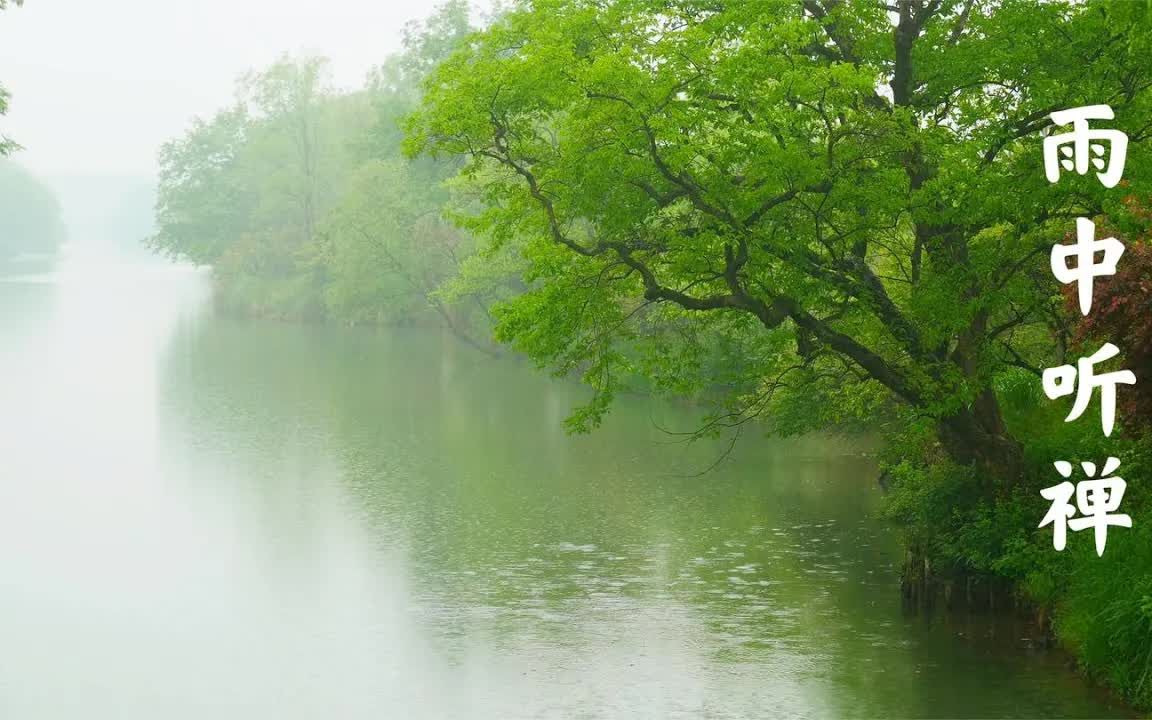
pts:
[30, 217]
[204, 201]
[820, 213]
[7, 146]
[1099, 605]
[1106, 612]
[247, 190]
[387, 249]
[300, 199]
[737, 158]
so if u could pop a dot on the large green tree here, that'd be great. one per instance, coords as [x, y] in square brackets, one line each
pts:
[848, 198]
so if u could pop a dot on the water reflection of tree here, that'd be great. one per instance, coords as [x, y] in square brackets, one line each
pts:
[515, 533]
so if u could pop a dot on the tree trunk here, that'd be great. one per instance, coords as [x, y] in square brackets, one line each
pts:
[976, 436]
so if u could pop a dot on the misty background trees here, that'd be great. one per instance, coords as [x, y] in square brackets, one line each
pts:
[300, 198]
[31, 221]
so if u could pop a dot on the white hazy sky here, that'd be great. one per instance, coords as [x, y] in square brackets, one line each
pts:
[98, 85]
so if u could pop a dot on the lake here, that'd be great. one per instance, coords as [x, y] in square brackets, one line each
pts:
[211, 518]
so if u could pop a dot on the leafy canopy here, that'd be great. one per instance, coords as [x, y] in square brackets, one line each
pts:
[848, 198]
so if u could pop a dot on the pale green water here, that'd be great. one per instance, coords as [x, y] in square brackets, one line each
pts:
[203, 518]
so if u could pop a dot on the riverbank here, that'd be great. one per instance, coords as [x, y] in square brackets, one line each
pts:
[1098, 609]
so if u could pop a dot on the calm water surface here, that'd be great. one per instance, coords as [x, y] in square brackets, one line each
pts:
[203, 518]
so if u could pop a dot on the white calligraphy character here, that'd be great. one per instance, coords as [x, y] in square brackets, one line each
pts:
[1097, 500]
[1076, 149]
[1061, 381]
[1086, 268]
